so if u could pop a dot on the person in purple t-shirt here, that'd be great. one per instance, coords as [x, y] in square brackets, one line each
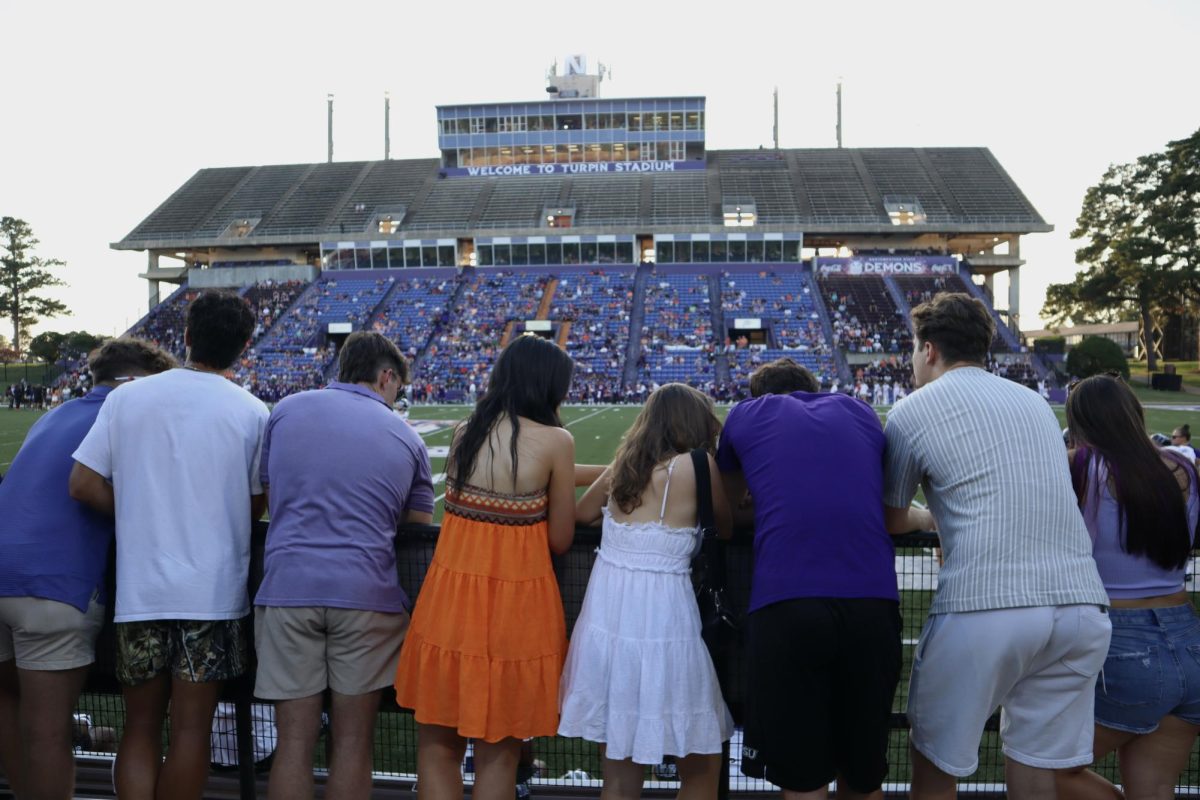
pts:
[823, 630]
[344, 471]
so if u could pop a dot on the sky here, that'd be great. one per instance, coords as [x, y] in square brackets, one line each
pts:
[107, 108]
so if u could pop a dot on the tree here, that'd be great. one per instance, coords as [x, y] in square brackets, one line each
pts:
[1097, 354]
[52, 346]
[22, 276]
[1140, 227]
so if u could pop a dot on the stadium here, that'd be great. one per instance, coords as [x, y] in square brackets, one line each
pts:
[607, 226]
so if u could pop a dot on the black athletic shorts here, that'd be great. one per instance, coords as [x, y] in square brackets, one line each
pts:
[822, 675]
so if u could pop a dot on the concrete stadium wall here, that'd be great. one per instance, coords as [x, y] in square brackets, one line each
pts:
[221, 277]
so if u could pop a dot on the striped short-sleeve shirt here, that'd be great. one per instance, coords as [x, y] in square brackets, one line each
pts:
[990, 457]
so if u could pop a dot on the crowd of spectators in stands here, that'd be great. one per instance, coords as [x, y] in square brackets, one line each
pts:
[873, 329]
[270, 300]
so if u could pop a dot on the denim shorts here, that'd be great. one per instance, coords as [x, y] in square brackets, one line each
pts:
[1152, 669]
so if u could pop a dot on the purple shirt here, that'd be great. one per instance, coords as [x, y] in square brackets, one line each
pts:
[814, 466]
[342, 469]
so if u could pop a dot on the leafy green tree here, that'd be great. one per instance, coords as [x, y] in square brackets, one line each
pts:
[1095, 355]
[22, 277]
[1140, 228]
[47, 346]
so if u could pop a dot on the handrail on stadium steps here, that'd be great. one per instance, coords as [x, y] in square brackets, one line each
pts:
[414, 550]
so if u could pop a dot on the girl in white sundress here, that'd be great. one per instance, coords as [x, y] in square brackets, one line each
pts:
[638, 678]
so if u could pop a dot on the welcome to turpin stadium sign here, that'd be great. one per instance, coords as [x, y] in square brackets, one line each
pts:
[572, 169]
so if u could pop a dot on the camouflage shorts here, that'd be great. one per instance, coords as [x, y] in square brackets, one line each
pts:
[192, 650]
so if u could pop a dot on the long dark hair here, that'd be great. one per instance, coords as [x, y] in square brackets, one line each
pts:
[1104, 414]
[675, 419]
[530, 379]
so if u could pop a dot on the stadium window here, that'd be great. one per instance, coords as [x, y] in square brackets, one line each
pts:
[635, 122]
[591, 121]
[664, 151]
[520, 255]
[700, 251]
[587, 253]
[502, 254]
[618, 120]
[570, 252]
[548, 122]
[593, 153]
[569, 122]
[490, 124]
[754, 252]
[693, 120]
[575, 153]
[604, 120]
[560, 154]
[396, 258]
[477, 124]
[526, 155]
[379, 257]
[618, 151]
[647, 151]
[737, 251]
[446, 255]
[428, 256]
[606, 252]
[683, 252]
[537, 254]
[362, 258]
[606, 152]
[791, 251]
[624, 252]
[719, 251]
[772, 250]
[554, 253]
[664, 252]
[506, 156]
[483, 255]
[675, 151]
[462, 125]
[345, 259]
[658, 122]
[412, 256]
[387, 224]
[676, 120]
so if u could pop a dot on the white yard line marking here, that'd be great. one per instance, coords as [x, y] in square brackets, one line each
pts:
[442, 496]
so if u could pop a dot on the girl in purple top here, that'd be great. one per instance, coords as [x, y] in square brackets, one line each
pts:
[1140, 505]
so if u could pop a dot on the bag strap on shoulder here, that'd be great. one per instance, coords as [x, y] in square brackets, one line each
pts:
[704, 500]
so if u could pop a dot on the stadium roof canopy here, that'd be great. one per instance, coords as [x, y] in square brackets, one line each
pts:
[817, 191]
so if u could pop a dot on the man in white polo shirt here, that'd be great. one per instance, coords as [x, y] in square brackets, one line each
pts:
[1019, 620]
[182, 452]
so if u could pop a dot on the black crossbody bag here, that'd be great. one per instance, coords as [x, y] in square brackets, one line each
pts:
[718, 622]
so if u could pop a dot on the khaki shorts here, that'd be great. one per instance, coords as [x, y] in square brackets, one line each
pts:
[193, 650]
[48, 635]
[303, 650]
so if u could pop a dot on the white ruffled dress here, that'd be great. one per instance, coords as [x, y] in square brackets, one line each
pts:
[638, 676]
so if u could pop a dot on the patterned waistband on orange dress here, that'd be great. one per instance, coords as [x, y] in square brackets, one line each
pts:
[496, 508]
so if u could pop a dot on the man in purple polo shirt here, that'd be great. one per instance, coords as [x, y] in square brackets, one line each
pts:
[344, 471]
[823, 632]
[52, 598]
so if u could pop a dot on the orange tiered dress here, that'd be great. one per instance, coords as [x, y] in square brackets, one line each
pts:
[485, 649]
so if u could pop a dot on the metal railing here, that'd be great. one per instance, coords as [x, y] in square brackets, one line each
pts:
[574, 763]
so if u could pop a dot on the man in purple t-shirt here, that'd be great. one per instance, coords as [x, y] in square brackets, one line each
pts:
[823, 632]
[344, 471]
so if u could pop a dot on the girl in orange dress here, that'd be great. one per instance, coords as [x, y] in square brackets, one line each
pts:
[485, 649]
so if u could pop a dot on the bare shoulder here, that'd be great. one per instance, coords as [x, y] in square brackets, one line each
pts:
[549, 434]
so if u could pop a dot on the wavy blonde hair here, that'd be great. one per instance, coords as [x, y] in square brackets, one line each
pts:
[675, 419]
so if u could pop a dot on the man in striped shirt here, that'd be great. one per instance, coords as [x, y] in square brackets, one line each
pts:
[1018, 620]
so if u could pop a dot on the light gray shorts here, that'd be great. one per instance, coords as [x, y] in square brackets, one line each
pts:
[48, 635]
[303, 650]
[1037, 664]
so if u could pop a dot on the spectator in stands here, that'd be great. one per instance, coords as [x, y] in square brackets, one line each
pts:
[824, 582]
[1018, 598]
[182, 451]
[52, 594]
[483, 655]
[1140, 505]
[343, 473]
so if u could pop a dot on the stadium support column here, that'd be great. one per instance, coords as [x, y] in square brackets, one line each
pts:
[329, 101]
[1014, 284]
[151, 269]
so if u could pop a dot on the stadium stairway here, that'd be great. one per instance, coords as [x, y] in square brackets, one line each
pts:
[465, 277]
[637, 316]
[721, 363]
[543, 311]
[839, 356]
[897, 296]
[564, 334]
[506, 337]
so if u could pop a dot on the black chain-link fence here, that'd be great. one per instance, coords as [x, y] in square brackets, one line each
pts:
[575, 762]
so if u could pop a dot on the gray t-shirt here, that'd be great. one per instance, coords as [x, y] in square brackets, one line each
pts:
[990, 457]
